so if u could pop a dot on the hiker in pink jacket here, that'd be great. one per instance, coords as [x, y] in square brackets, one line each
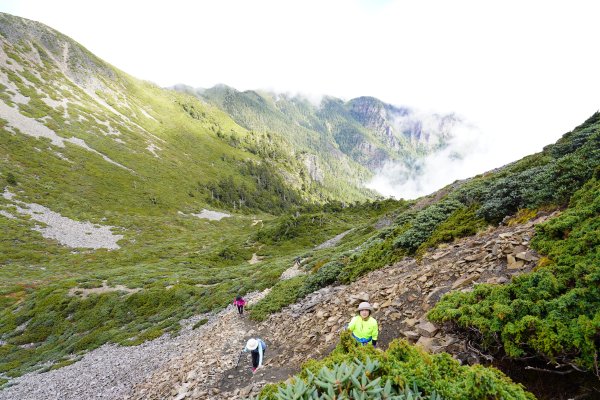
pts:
[240, 303]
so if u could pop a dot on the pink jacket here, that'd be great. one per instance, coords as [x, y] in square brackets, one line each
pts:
[240, 302]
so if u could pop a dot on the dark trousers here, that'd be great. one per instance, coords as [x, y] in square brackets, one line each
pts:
[256, 357]
[240, 309]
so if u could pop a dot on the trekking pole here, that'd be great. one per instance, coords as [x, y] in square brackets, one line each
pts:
[238, 360]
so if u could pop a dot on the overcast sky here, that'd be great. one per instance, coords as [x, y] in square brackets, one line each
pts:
[522, 72]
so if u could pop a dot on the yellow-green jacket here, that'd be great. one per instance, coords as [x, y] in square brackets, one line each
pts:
[364, 329]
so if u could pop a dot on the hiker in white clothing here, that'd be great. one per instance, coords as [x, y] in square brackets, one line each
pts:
[257, 348]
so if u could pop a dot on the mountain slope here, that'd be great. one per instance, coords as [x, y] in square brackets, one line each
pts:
[104, 181]
[545, 317]
[350, 140]
[306, 330]
[106, 239]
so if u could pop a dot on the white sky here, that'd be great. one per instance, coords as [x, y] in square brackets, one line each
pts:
[523, 72]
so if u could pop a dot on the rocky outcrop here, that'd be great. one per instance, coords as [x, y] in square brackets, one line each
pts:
[400, 128]
[311, 163]
[372, 114]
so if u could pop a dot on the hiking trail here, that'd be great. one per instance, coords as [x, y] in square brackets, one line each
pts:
[200, 363]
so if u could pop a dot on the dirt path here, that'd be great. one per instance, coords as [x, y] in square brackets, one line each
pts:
[210, 370]
[235, 380]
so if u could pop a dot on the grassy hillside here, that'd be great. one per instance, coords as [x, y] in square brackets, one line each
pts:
[93, 144]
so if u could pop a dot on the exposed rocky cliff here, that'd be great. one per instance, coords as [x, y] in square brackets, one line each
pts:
[401, 127]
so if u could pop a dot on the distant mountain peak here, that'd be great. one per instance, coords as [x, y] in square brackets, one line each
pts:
[365, 129]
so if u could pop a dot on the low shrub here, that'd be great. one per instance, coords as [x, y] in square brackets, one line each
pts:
[425, 223]
[462, 222]
[376, 252]
[326, 275]
[11, 179]
[283, 293]
[554, 312]
[356, 380]
[402, 372]
[200, 323]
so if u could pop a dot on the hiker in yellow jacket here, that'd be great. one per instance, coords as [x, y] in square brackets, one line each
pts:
[364, 327]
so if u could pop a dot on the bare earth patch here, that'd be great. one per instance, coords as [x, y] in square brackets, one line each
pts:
[65, 230]
[208, 214]
[255, 259]
[292, 272]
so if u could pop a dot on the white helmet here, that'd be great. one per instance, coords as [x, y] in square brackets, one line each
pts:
[252, 344]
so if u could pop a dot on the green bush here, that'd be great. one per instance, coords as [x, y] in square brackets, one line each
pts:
[283, 293]
[11, 179]
[576, 139]
[550, 184]
[354, 380]
[554, 312]
[326, 275]
[462, 222]
[377, 254]
[377, 251]
[403, 370]
[425, 223]
[200, 323]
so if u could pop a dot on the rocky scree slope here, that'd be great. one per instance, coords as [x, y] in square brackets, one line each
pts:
[401, 293]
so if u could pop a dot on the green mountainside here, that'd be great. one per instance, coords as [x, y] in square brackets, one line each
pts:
[348, 141]
[103, 179]
[108, 184]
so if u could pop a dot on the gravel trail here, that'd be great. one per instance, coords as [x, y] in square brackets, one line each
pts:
[112, 371]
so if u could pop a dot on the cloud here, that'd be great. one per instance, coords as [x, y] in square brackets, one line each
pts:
[468, 152]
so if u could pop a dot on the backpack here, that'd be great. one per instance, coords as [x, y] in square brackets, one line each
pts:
[262, 344]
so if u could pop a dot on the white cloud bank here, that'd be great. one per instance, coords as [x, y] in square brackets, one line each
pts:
[469, 152]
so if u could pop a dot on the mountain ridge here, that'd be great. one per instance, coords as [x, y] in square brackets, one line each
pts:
[365, 129]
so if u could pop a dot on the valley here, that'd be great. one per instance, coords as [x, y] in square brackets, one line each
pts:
[132, 215]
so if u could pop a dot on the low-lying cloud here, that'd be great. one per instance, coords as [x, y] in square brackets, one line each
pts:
[468, 152]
